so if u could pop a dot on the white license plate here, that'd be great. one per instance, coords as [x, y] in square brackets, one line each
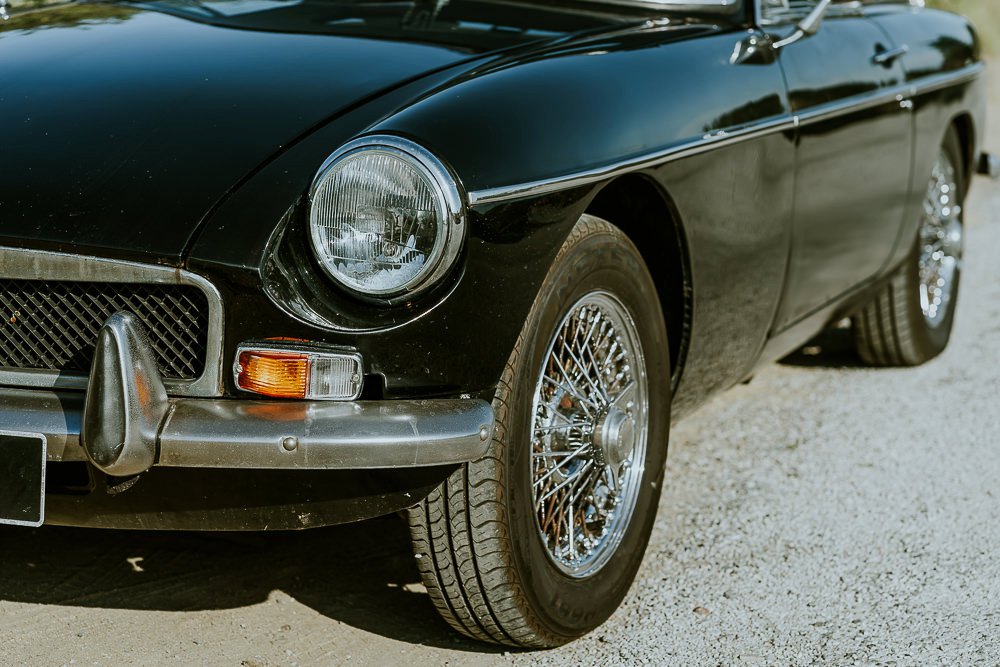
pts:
[22, 478]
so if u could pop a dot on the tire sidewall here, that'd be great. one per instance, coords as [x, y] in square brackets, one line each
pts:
[568, 606]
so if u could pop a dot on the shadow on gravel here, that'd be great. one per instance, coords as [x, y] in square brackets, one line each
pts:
[360, 574]
[833, 348]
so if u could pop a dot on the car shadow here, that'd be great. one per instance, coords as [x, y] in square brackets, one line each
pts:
[361, 574]
[832, 348]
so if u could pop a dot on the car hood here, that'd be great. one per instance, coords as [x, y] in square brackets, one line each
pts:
[122, 125]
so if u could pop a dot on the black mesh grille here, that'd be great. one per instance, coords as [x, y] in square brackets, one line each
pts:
[53, 325]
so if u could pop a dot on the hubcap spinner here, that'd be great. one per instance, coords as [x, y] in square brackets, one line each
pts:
[614, 438]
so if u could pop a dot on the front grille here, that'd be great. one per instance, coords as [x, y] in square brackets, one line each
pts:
[53, 325]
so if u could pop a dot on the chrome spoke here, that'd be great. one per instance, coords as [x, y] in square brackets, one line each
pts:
[585, 376]
[572, 393]
[562, 427]
[554, 455]
[625, 396]
[555, 470]
[569, 482]
[589, 440]
[611, 477]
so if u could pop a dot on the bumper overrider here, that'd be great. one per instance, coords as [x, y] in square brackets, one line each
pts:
[126, 423]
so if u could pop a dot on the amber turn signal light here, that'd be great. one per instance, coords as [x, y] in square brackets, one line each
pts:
[304, 373]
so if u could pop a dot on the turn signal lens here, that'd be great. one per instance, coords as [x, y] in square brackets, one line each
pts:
[276, 374]
[303, 374]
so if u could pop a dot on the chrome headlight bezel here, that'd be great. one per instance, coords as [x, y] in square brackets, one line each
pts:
[450, 197]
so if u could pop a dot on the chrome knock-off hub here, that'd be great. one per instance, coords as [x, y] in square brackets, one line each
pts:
[614, 439]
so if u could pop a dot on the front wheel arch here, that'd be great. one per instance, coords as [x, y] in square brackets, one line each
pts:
[639, 207]
[965, 126]
[477, 537]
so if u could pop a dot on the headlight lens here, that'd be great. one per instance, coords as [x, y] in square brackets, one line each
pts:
[385, 217]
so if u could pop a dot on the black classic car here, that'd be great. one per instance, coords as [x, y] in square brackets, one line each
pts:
[277, 264]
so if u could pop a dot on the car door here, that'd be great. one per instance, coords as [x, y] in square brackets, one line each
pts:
[853, 153]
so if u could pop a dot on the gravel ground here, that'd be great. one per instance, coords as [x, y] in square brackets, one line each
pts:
[824, 514]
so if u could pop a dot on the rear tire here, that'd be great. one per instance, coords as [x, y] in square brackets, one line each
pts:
[909, 321]
[490, 568]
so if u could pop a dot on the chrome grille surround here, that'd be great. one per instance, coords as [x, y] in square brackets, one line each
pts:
[74, 280]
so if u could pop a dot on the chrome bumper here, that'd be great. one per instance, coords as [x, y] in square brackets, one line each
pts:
[125, 423]
[253, 434]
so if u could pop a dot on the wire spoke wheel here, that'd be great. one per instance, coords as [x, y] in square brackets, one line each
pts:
[588, 434]
[538, 542]
[941, 241]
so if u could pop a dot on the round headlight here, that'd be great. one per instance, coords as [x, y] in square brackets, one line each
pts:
[385, 217]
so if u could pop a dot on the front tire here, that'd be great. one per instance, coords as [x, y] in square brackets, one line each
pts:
[538, 543]
[909, 321]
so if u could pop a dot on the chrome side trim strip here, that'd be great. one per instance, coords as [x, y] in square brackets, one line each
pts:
[854, 104]
[935, 82]
[899, 93]
[21, 263]
[679, 151]
[723, 138]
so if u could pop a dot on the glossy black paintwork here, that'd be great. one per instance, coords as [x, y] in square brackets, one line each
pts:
[850, 188]
[512, 245]
[123, 125]
[562, 93]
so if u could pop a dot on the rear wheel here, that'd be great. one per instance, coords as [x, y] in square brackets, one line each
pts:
[910, 321]
[538, 542]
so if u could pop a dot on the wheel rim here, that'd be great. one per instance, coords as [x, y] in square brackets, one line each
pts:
[941, 242]
[589, 436]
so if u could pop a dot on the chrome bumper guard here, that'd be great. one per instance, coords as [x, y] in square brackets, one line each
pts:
[126, 423]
